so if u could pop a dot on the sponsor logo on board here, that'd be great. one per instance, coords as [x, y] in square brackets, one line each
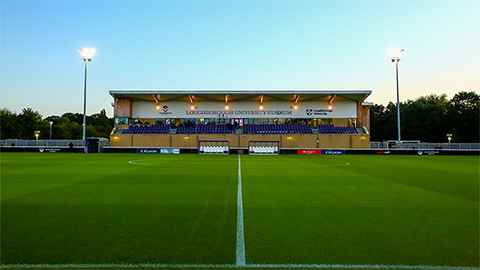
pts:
[309, 152]
[158, 151]
[333, 152]
[310, 112]
[165, 110]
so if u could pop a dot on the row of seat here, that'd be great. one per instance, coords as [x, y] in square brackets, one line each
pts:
[263, 149]
[154, 129]
[205, 129]
[331, 129]
[214, 149]
[277, 129]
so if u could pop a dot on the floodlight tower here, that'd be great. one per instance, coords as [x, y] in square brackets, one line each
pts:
[87, 57]
[51, 123]
[395, 54]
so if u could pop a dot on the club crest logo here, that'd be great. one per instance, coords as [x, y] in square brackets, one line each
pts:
[165, 108]
[309, 111]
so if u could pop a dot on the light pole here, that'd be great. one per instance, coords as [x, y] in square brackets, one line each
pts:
[395, 56]
[87, 57]
[37, 133]
[449, 138]
[51, 123]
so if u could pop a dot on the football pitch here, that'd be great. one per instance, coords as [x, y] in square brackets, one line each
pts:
[239, 211]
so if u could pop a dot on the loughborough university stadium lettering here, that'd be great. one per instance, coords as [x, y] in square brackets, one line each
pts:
[239, 112]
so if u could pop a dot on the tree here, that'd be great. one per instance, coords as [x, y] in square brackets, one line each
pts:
[424, 119]
[74, 117]
[67, 129]
[8, 124]
[383, 122]
[28, 122]
[464, 117]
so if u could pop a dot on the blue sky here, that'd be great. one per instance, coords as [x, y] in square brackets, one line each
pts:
[246, 44]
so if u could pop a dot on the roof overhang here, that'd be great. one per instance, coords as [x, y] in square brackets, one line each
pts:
[240, 94]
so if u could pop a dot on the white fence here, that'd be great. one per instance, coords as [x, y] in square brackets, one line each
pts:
[425, 146]
[40, 143]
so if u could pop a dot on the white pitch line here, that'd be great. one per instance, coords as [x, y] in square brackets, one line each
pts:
[240, 233]
[226, 266]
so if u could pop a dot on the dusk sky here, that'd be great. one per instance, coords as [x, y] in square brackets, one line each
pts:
[248, 44]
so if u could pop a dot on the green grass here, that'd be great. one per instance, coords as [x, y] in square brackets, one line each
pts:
[73, 208]
[182, 209]
[377, 210]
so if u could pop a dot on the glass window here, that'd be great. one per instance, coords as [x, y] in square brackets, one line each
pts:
[121, 121]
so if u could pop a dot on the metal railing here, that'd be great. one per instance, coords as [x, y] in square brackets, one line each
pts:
[40, 143]
[425, 146]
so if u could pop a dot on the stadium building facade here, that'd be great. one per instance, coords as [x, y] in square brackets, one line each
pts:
[297, 119]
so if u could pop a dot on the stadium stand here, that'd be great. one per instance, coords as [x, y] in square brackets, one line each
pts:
[291, 118]
[330, 129]
[277, 129]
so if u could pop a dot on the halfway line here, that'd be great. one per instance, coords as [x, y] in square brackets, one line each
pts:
[233, 266]
[240, 234]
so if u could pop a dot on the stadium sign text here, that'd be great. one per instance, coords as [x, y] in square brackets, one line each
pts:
[239, 112]
[309, 152]
[333, 152]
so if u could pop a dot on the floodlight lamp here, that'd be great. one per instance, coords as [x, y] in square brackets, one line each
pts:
[227, 107]
[192, 107]
[395, 53]
[261, 107]
[295, 107]
[330, 106]
[158, 107]
[87, 53]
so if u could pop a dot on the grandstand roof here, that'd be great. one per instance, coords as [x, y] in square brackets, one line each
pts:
[240, 94]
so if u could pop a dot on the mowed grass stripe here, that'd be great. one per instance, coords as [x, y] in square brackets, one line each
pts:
[180, 209]
[307, 210]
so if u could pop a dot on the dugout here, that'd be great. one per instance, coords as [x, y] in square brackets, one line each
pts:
[182, 118]
[95, 144]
